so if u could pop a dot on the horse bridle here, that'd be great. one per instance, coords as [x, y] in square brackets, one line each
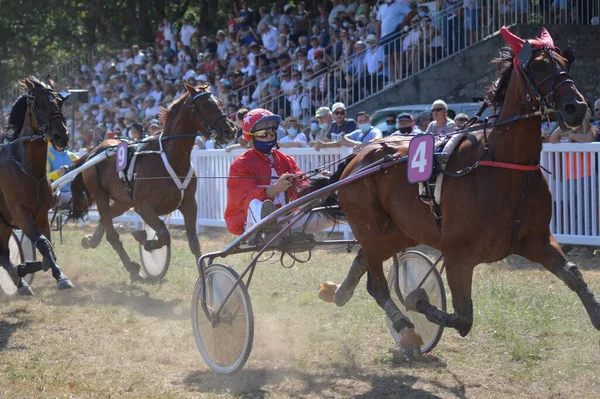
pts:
[547, 102]
[210, 126]
[45, 128]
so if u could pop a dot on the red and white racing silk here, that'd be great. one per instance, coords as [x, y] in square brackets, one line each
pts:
[241, 191]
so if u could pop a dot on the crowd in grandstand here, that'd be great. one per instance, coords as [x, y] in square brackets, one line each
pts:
[271, 55]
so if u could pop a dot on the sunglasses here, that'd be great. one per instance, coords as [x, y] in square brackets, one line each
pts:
[263, 134]
[437, 110]
[339, 113]
[390, 121]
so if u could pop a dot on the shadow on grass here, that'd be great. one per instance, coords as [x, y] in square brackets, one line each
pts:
[131, 296]
[336, 380]
[8, 328]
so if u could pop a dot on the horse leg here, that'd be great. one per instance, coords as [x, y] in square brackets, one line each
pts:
[41, 239]
[460, 279]
[93, 240]
[23, 288]
[341, 294]
[104, 209]
[147, 212]
[189, 209]
[546, 251]
[377, 286]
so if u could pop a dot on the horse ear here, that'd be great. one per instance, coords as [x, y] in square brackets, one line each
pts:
[26, 84]
[514, 41]
[569, 55]
[546, 38]
[49, 81]
[190, 89]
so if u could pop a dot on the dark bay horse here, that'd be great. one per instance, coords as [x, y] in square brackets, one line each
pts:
[494, 211]
[25, 193]
[196, 110]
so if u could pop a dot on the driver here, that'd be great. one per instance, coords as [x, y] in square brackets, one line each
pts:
[58, 160]
[261, 177]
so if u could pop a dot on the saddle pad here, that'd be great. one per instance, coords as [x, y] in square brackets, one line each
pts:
[447, 151]
[131, 167]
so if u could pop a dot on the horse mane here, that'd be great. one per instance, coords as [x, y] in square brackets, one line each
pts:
[163, 113]
[494, 97]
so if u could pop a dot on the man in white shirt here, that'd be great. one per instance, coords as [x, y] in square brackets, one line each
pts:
[294, 137]
[269, 36]
[186, 33]
[150, 107]
[391, 16]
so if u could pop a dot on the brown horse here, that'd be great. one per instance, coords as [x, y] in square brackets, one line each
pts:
[488, 214]
[196, 110]
[35, 118]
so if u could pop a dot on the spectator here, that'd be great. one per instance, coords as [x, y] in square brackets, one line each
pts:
[422, 121]
[357, 139]
[275, 15]
[204, 142]
[596, 123]
[460, 121]
[338, 6]
[342, 125]
[581, 134]
[150, 107]
[231, 26]
[154, 128]
[136, 131]
[441, 123]
[168, 33]
[405, 124]
[450, 12]
[363, 10]
[323, 117]
[390, 125]
[138, 56]
[269, 35]
[245, 18]
[287, 19]
[374, 78]
[265, 16]
[186, 33]
[312, 130]
[433, 46]
[391, 17]
[294, 137]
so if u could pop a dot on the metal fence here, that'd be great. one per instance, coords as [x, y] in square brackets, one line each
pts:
[573, 178]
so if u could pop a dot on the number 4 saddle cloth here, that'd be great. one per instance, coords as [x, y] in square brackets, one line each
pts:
[430, 192]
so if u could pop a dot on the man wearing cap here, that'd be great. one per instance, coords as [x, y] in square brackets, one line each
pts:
[251, 199]
[393, 14]
[150, 108]
[342, 125]
[154, 127]
[269, 35]
[405, 125]
[441, 123]
[324, 119]
[186, 33]
[135, 131]
[294, 136]
[460, 121]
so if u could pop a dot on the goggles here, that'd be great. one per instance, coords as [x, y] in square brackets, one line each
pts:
[262, 134]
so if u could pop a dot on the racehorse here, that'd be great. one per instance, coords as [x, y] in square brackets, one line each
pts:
[35, 118]
[502, 207]
[167, 159]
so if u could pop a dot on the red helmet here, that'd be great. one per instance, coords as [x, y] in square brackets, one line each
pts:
[259, 119]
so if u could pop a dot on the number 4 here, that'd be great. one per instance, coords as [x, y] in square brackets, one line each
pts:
[419, 160]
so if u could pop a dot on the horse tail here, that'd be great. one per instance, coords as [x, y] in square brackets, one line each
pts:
[81, 198]
[331, 204]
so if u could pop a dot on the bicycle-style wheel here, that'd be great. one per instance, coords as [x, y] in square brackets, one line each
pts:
[225, 346]
[155, 263]
[408, 271]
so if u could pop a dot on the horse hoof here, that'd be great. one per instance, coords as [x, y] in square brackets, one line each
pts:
[410, 342]
[140, 236]
[136, 276]
[85, 242]
[414, 297]
[25, 291]
[64, 284]
[327, 291]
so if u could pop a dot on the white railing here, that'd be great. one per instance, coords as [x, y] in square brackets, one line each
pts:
[574, 181]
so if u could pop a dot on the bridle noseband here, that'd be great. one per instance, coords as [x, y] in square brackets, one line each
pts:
[209, 126]
[547, 103]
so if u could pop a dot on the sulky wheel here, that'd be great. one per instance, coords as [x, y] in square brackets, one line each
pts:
[225, 344]
[156, 262]
[405, 275]
[19, 253]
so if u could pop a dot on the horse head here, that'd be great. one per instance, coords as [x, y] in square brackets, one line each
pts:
[545, 80]
[209, 115]
[45, 111]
